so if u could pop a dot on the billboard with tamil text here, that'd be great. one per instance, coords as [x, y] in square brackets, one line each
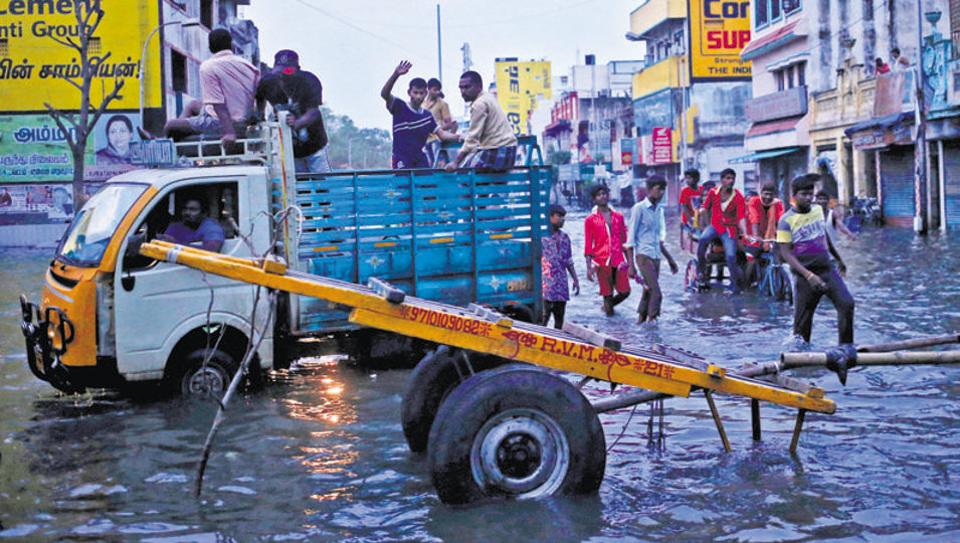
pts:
[33, 64]
[33, 149]
[719, 30]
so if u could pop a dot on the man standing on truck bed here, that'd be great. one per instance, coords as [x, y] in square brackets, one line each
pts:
[227, 85]
[441, 113]
[195, 227]
[412, 123]
[300, 93]
[490, 144]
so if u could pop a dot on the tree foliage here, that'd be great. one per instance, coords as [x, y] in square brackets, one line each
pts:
[354, 148]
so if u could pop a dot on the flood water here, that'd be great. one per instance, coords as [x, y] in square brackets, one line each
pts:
[319, 455]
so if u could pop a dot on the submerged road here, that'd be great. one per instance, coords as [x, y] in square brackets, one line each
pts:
[319, 454]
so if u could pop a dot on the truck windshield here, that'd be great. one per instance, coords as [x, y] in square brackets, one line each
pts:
[94, 226]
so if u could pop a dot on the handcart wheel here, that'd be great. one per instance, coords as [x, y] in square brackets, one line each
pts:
[435, 376]
[515, 432]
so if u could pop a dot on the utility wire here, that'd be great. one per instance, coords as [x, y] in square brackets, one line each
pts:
[360, 29]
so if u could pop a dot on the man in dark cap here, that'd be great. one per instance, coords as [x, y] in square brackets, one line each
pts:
[300, 93]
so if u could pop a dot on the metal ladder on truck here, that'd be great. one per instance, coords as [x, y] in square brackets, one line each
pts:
[508, 429]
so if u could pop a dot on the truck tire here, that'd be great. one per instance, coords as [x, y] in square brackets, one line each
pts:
[515, 432]
[203, 376]
[431, 381]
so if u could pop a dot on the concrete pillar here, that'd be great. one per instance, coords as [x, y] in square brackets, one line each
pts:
[859, 173]
[843, 183]
[943, 187]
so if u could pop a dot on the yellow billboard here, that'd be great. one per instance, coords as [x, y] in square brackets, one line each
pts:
[719, 30]
[33, 65]
[519, 85]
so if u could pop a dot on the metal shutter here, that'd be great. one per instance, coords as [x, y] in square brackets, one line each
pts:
[897, 183]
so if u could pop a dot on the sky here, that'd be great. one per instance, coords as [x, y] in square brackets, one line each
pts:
[354, 45]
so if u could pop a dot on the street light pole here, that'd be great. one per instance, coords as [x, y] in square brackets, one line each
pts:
[186, 23]
[439, 47]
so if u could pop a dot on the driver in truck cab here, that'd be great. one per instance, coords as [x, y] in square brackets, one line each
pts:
[195, 228]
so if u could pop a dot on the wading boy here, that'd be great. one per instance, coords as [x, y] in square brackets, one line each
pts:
[645, 246]
[605, 232]
[804, 245]
[557, 262]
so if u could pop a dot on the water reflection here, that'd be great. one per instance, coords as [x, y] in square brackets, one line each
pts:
[319, 455]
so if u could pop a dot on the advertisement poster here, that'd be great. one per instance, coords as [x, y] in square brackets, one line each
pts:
[33, 149]
[519, 86]
[662, 146]
[38, 204]
[719, 30]
[628, 147]
[33, 64]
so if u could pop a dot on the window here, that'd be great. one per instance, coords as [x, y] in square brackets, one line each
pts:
[217, 200]
[206, 13]
[178, 69]
[769, 11]
[761, 16]
[790, 76]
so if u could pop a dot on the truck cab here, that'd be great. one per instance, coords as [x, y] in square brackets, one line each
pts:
[109, 316]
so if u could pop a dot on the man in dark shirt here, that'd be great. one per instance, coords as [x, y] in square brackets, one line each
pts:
[195, 228]
[412, 123]
[300, 93]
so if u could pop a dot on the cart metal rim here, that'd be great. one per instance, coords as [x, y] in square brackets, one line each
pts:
[522, 452]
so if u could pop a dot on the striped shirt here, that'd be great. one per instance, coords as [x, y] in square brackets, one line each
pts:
[410, 130]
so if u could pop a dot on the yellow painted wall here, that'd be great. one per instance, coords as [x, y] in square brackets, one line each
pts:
[668, 73]
[655, 12]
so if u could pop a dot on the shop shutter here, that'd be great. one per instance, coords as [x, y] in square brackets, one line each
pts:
[896, 181]
[951, 185]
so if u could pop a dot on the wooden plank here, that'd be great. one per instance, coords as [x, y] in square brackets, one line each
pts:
[592, 336]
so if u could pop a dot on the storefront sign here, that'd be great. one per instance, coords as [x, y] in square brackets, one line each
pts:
[627, 148]
[778, 105]
[719, 30]
[662, 146]
[878, 138]
[33, 65]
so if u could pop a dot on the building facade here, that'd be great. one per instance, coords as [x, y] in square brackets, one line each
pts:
[592, 112]
[829, 98]
[167, 39]
[689, 99]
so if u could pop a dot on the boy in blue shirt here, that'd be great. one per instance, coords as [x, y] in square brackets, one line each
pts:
[412, 123]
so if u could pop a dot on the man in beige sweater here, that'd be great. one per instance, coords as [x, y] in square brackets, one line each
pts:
[490, 144]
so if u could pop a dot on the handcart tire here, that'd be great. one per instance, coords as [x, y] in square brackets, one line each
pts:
[515, 432]
[432, 380]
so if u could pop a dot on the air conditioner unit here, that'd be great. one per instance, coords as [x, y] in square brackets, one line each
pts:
[953, 83]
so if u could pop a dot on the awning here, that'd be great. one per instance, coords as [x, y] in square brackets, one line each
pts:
[760, 155]
[782, 35]
[885, 122]
[772, 127]
[555, 128]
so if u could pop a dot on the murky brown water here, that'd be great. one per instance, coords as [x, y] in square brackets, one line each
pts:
[319, 454]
